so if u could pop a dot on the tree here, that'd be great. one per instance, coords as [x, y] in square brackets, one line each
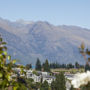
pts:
[37, 86]
[28, 66]
[87, 67]
[59, 83]
[77, 65]
[29, 83]
[71, 88]
[44, 86]
[46, 66]
[53, 85]
[86, 54]
[85, 87]
[70, 66]
[6, 71]
[38, 65]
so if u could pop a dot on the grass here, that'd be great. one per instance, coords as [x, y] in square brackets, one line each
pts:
[68, 70]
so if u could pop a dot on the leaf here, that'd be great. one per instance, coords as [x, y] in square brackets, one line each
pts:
[5, 53]
[1, 75]
[5, 47]
[15, 88]
[82, 46]
[9, 57]
[0, 39]
[13, 61]
[1, 52]
[1, 56]
[4, 43]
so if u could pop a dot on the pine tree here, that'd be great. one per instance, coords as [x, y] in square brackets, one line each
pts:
[53, 85]
[77, 65]
[59, 83]
[46, 66]
[38, 65]
[44, 86]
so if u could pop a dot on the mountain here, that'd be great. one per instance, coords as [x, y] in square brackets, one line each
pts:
[30, 40]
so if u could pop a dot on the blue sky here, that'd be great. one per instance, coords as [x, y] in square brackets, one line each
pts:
[57, 12]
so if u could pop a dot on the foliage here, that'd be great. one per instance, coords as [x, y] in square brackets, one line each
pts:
[71, 88]
[29, 83]
[28, 66]
[53, 85]
[57, 65]
[6, 71]
[77, 65]
[70, 66]
[65, 66]
[59, 83]
[46, 66]
[38, 65]
[86, 54]
[85, 87]
[87, 67]
[35, 72]
[44, 86]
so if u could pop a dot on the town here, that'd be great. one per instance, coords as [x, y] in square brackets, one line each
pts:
[44, 44]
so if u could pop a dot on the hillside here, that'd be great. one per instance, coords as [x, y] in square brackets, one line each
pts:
[29, 40]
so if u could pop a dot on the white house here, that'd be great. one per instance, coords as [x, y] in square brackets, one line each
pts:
[29, 74]
[49, 79]
[69, 76]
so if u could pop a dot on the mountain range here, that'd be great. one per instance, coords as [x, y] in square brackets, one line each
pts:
[28, 40]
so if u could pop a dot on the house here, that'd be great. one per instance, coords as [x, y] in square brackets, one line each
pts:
[29, 74]
[36, 78]
[69, 76]
[49, 79]
[40, 76]
[42, 73]
[44, 76]
[17, 69]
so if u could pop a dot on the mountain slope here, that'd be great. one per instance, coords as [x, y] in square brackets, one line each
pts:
[27, 41]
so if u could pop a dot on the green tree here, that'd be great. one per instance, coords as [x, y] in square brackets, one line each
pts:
[29, 83]
[77, 65]
[85, 87]
[59, 83]
[53, 87]
[71, 88]
[6, 71]
[46, 66]
[70, 66]
[38, 65]
[87, 67]
[28, 66]
[37, 85]
[44, 86]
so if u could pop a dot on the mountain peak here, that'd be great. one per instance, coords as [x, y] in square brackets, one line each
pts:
[24, 22]
[30, 40]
